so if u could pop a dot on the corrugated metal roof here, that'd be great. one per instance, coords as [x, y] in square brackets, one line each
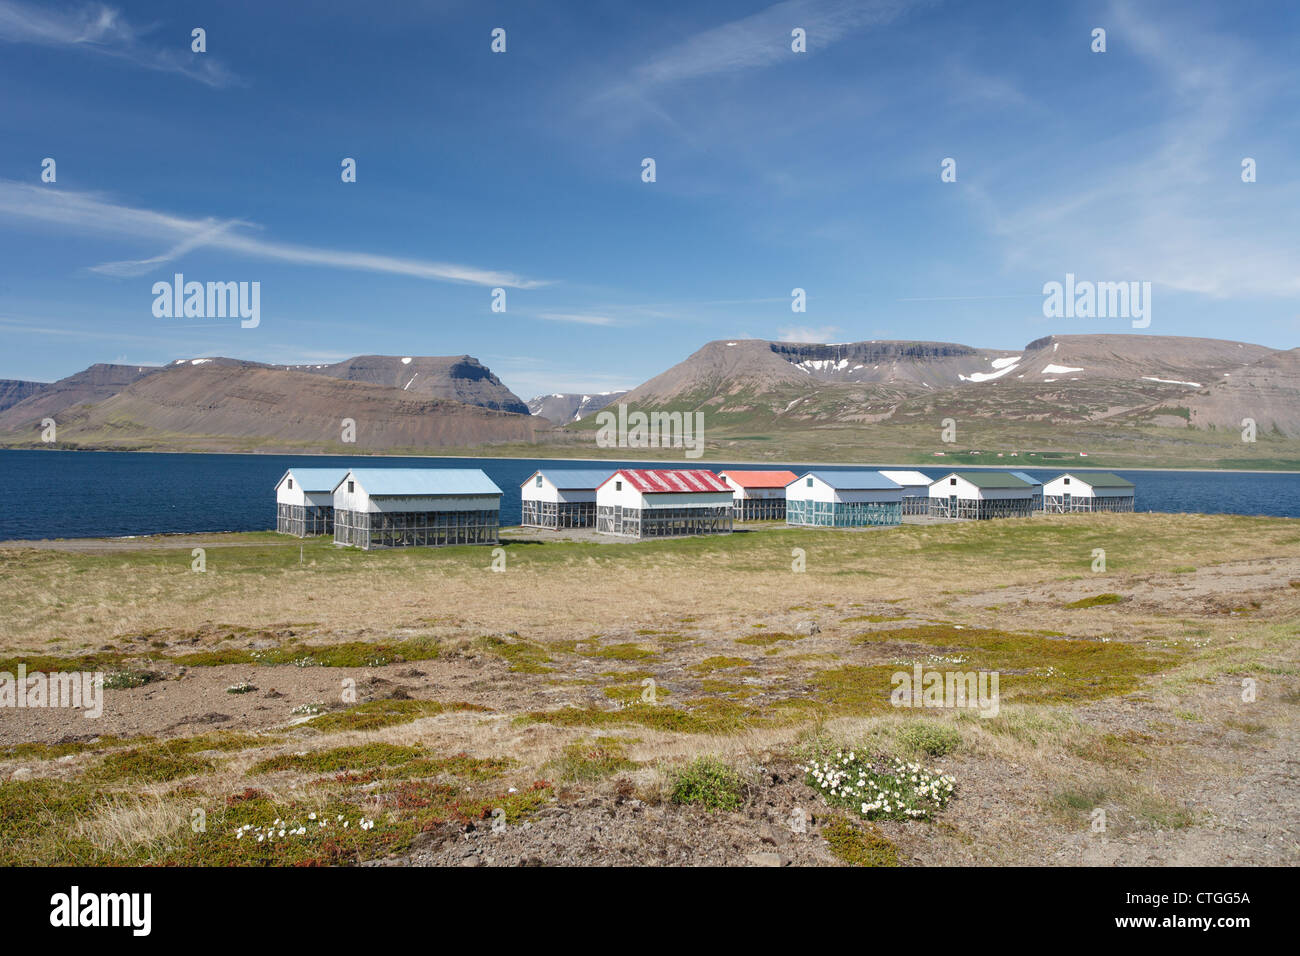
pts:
[572, 478]
[662, 481]
[1101, 479]
[1026, 477]
[993, 479]
[907, 477]
[760, 479]
[855, 480]
[315, 479]
[410, 482]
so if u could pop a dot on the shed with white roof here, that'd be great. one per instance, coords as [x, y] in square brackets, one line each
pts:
[981, 494]
[416, 507]
[1090, 491]
[659, 503]
[561, 497]
[304, 501]
[758, 495]
[916, 490]
[843, 499]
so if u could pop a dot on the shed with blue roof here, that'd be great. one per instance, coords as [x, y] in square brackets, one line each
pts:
[416, 507]
[561, 497]
[304, 501]
[843, 499]
[1029, 479]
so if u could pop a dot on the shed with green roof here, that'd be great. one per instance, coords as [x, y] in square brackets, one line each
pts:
[1088, 491]
[980, 495]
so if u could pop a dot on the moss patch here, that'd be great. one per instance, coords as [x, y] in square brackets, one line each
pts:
[858, 844]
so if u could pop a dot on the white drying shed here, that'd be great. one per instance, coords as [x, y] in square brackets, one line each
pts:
[916, 490]
[661, 502]
[561, 497]
[980, 495]
[1090, 491]
[843, 499]
[415, 507]
[758, 495]
[304, 501]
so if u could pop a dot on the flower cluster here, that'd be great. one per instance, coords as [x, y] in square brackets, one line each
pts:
[282, 829]
[880, 790]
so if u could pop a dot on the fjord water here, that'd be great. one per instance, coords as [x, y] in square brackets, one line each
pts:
[73, 494]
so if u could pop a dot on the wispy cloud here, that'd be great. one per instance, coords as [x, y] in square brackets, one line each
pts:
[577, 317]
[763, 38]
[99, 29]
[82, 212]
[1175, 211]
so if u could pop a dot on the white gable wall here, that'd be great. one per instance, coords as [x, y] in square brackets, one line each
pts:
[945, 488]
[821, 491]
[548, 492]
[1079, 488]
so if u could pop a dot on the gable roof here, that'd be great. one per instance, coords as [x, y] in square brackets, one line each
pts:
[907, 477]
[855, 480]
[571, 478]
[1100, 479]
[413, 482]
[315, 479]
[661, 481]
[991, 479]
[1029, 479]
[760, 479]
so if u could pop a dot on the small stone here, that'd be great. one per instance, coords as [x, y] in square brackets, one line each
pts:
[471, 860]
[764, 859]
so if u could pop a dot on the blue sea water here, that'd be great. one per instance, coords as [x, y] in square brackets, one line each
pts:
[66, 494]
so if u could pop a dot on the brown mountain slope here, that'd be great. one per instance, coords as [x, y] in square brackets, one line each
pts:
[1267, 391]
[13, 391]
[89, 385]
[754, 367]
[201, 404]
[461, 378]
[725, 368]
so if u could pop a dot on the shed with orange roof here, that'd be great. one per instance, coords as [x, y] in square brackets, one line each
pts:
[758, 495]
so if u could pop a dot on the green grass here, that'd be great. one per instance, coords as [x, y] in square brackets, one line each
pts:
[381, 759]
[709, 783]
[344, 654]
[1097, 600]
[589, 761]
[927, 739]
[702, 716]
[375, 714]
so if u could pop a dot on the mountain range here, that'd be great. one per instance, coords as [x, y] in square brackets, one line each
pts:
[1131, 397]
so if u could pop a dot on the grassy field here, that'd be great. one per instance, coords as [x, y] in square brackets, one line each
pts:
[660, 691]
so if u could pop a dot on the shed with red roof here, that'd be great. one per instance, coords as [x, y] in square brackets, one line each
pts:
[663, 502]
[758, 495]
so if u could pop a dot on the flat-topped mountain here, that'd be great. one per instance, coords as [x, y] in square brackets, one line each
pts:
[461, 378]
[215, 405]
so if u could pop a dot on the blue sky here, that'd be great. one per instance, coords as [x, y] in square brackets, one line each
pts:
[522, 170]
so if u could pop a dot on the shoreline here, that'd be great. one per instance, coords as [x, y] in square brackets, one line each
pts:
[687, 463]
